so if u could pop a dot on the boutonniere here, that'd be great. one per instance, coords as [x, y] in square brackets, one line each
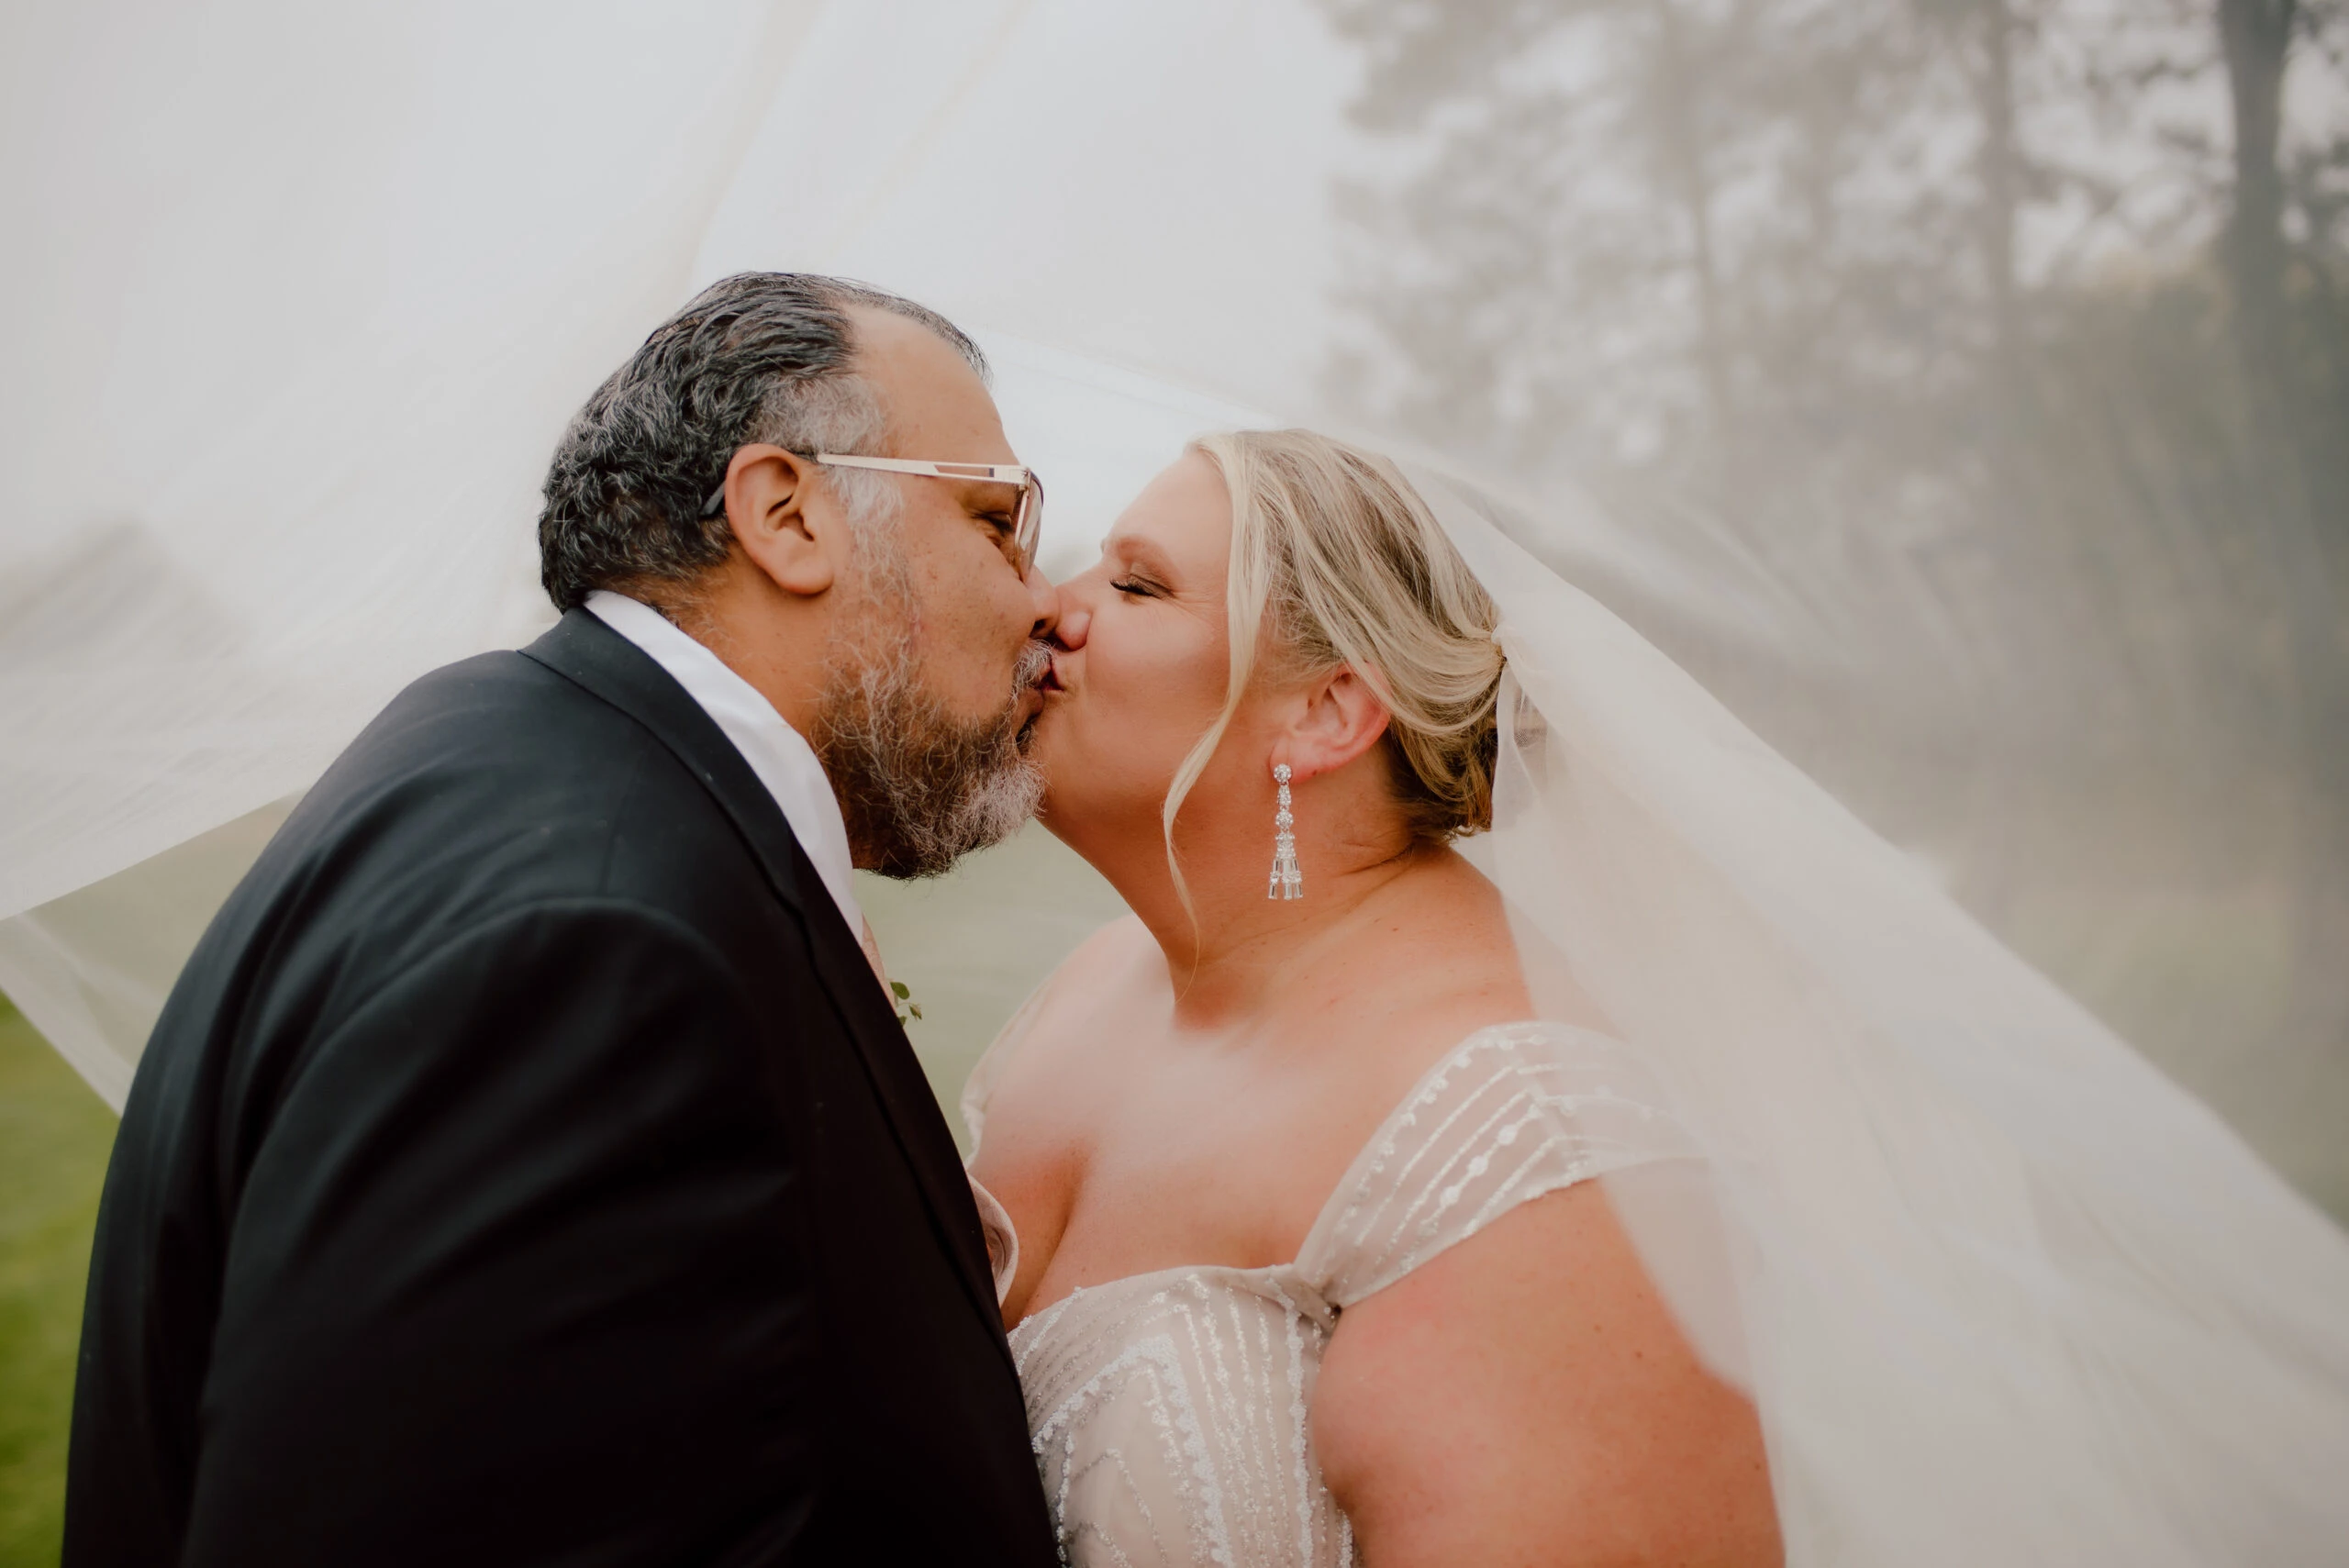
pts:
[906, 1005]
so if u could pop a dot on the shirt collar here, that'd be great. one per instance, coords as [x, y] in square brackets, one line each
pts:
[777, 753]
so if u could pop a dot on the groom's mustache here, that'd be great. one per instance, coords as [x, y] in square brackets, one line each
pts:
[1035, 664]
[1030, 674]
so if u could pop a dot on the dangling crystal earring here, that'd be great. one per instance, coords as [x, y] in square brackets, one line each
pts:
[1287, 881]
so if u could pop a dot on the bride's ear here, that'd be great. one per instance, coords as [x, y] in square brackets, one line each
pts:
[1340, 717]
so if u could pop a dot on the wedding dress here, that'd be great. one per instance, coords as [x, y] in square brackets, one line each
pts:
[2000, 1290]
[1171, 1411]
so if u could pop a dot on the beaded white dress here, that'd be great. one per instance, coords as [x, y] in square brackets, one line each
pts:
[1169, 1410]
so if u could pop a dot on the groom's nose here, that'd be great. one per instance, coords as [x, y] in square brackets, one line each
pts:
[1046, 599]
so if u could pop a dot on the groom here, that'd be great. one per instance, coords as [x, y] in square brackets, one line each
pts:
[528, 1166]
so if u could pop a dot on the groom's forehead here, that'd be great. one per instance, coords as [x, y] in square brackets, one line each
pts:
[930, 389]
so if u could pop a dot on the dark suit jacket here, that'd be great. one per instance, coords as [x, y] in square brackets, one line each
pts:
[527, 1170]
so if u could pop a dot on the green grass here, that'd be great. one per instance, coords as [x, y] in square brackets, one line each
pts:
[54, 1134]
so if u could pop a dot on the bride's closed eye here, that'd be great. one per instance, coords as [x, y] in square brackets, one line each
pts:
[1136, 587]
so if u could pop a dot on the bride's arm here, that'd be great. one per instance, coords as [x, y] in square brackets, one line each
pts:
[1525, 1397]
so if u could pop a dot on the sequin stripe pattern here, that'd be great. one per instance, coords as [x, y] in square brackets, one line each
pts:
[1512, 1113]
[1169, 1416]
[1172, 1412]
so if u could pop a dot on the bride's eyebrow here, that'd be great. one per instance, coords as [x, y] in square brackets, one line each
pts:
[1138, 554]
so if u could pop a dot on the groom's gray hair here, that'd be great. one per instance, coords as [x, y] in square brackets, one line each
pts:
[759, 357]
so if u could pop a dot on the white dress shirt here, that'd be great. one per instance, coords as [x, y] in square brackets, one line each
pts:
[779, 754]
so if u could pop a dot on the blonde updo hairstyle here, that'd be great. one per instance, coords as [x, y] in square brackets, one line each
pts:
[1336, 562]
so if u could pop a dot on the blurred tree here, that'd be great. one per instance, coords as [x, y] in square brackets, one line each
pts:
[2257, 36]
[2298, 430]
[1821, 271]
[2009, 339]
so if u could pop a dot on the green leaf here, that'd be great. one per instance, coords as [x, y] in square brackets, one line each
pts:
[901, 988]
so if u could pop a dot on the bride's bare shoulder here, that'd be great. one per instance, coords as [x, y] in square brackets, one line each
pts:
[1112, 963]
[1111, 972]
[1041, 1090]
[1117, 945]
[1435, 949]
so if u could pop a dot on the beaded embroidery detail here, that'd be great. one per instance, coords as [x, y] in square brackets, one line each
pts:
[1170, 1413]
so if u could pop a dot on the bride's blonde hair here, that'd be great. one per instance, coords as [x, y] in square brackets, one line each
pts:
[1336, 561]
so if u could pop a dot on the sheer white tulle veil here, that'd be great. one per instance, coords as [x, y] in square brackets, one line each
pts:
[1999, 1288]
[310, 292]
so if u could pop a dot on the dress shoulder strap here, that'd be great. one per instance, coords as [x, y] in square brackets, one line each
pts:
[1511, 1113]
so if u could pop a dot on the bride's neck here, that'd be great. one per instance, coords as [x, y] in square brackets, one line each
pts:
[1243, 948]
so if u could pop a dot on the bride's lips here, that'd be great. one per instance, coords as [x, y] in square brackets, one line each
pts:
[1051, 681]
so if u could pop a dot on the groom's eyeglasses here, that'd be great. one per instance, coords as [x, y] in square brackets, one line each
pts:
[1027, 518]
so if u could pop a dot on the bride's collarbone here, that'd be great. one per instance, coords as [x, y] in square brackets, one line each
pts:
[1214, 1154]
[1313, 1058]
[1128, 1141]
[1113, 1076]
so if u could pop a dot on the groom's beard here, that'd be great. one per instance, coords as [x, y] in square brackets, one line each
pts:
[918, 788]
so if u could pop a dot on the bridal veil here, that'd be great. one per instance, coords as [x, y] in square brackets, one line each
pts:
[301, 299]
[2001, 1291]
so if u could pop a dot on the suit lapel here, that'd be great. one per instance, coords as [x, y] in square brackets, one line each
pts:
[902, 1090]
[584, 650]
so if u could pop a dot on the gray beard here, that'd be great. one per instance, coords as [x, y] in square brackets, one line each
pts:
[918, 788]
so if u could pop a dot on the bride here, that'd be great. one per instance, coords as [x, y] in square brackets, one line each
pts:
[1307, 1259]
[1340, 1216]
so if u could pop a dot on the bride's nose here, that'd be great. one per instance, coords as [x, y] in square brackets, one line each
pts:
[1074, 620]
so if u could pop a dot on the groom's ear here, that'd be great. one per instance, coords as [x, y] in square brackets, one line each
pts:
[790, 526]
[1340, 717]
